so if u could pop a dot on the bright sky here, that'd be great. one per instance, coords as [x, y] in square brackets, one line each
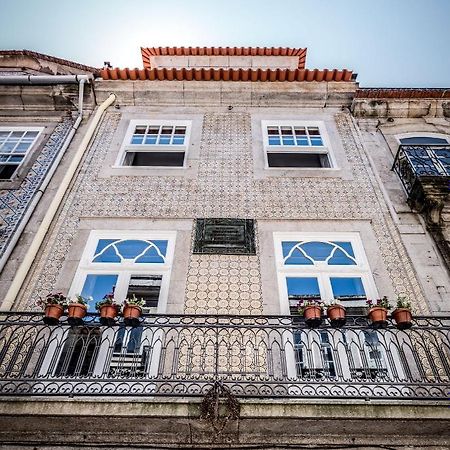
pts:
[389, 43]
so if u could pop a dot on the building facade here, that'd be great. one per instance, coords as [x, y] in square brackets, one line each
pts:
[222, 186]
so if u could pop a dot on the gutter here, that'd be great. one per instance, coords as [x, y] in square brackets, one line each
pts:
[56, 202]
[48, 80]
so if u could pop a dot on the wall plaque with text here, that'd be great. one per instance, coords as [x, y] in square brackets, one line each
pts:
[225, 236]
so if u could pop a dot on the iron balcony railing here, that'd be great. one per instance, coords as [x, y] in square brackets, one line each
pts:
[251, 356]
[413, 162]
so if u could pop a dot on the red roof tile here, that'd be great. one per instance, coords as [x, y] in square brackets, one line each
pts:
[403, 93]
[223, 51]
[226, 74]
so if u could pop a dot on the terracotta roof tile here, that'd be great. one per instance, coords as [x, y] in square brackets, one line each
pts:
[403, 93]
[226, 74]
[49, 58]
[148, 52]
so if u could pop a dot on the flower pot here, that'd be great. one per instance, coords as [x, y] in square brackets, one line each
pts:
[336, 315]
[313, 316]
[378, 316]
[52, 314]
[403, 318]
[108, 314]
[76, 313]
[131, 314]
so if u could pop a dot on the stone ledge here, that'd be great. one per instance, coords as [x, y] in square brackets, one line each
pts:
[117, 423]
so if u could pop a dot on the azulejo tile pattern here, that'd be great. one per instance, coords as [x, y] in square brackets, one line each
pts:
[225, 187]
[14, 202]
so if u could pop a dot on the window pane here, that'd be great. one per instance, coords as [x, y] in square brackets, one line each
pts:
[166, 130]
[288, 140]
[316, 142]
[178, 140]
[150, 140]
[274, 140]
[180, 130]
[31, 134]
[272, 131]
[348, 288]
[97, 286]
[302, 288]
[153, 130]
[137, 139]
[286, 131]
[313, 131]
[147, 287]
[302, 141]
[300, 131]
[423, 140]
[164, 140]
[295, 160]
[140, 130]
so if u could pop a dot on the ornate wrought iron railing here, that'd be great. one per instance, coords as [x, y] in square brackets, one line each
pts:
[257, 356]
[413, 162]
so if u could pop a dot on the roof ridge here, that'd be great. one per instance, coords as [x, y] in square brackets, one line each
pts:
[49, 58]
[148, 52]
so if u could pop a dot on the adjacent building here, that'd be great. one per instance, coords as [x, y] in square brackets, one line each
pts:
[222, 186]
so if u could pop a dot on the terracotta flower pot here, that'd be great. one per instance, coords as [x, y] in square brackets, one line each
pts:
[403, 318]
[313, 316]
[108, 314]
[336, 315]
[52, 314]
[76, 313]
[378, 316]
[131, 314]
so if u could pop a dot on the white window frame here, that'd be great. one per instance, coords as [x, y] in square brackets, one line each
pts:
[148, 148]
[27, 153]
[125, 269]
[322, 150]
[321, 270]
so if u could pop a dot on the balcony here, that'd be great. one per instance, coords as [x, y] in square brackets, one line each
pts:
[423, 166]
[250, 357]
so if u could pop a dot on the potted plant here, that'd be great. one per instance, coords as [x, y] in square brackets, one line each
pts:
[76, 310]
[311, 309]
[108, 309]
[402, 313]
[378, 312]
[336, 314]
[132, 310]
[53, 305]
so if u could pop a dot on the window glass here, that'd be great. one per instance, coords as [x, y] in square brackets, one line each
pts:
[96, 287]
[348, 288]
[14, 145]
[136, 250]
[333, 253]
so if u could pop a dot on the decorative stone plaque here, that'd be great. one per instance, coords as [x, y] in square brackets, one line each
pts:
[225, 236]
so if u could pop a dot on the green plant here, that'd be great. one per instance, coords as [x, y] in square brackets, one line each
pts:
[403, 302]
[108, 299]
[134, 301]
[79, 299]
[305, 302]
[380, 303]
[56, 298]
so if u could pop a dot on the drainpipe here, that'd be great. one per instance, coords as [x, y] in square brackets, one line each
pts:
[53, 208]
[40, 80]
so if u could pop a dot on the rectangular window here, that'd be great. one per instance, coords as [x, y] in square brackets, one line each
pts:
[15, 144]
[155, 144]
[296, 144]
[323, 266]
